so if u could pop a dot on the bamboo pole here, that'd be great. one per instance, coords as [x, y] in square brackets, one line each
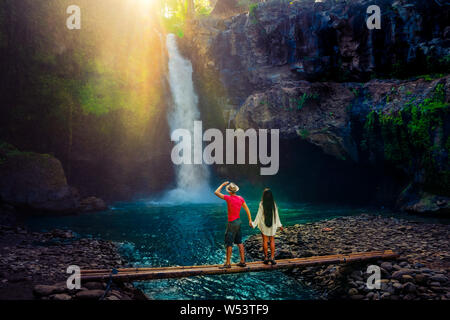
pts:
[134, 274]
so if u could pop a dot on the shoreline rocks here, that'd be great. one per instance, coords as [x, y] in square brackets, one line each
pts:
[36, 183]
[33, 265]
[420, 273]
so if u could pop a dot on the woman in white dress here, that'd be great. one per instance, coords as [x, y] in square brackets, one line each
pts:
[268, 221]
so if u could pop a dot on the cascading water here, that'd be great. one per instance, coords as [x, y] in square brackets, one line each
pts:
[192, 180]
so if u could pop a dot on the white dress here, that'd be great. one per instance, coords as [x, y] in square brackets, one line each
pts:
[259, 222]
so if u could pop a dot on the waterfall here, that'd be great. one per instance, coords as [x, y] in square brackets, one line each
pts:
[192, 180]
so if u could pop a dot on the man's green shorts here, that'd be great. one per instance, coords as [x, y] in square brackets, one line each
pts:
[233, 233]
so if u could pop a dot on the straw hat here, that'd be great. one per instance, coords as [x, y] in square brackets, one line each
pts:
[232, 188]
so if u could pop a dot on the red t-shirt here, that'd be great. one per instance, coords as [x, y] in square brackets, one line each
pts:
[234, 204]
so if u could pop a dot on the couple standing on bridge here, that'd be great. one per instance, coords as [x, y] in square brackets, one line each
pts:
[267, 220]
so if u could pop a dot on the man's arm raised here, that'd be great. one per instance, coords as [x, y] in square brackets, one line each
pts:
[218, 193]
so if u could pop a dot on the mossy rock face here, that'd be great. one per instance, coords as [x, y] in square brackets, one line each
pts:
[414, 200]
[35, 181]
[414, 137]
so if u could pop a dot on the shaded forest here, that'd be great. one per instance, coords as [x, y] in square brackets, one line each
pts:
[94, 98]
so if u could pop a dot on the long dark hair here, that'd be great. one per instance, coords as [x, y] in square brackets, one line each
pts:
[268, 206]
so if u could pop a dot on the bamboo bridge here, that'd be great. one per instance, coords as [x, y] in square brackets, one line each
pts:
[136, 274]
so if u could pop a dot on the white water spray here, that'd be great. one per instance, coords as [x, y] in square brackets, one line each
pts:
[192, 180]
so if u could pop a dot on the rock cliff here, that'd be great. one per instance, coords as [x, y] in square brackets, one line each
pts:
[315, 71]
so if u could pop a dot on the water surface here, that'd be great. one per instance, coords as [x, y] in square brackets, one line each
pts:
[152, 234]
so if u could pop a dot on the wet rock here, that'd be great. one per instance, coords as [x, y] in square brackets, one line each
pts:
[46, 290]
[439, 278]
[386, 266]
[421, 278]
[93, 204]
[60, 297]
[406, 278]
[420, 246]
[409, 287]
[90, 294]
[94, 285]
[400, 273]
[352, 292]
[35, 181]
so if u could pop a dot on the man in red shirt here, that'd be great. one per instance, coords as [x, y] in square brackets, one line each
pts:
[233, 233]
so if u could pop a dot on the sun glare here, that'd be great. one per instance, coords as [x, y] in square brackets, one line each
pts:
[146, 3]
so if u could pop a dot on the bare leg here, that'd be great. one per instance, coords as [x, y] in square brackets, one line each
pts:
[265, 248]
[229, 250]
[242, 252]
[272, 248]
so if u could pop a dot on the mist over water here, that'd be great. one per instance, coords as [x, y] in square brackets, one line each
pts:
[192, 181]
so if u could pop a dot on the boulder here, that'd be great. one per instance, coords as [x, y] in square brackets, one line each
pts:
[35, 181]
[439, 278]
[61, 297]
[94, 286]
[46, 290]
[93, 204]
[414, 200]
[90, 294]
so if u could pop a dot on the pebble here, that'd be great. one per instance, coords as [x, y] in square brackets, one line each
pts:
[39, 261]
[420, 272]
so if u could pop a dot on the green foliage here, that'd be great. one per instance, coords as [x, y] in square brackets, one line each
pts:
[252, 6]
[10, 152]
[304, 133]
[304, 98]
[412, 138]
[101, 96]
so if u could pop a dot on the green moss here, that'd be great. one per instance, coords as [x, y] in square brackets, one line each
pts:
[304, 134]
[304, 98]
[5, 149]
[407, 138]
[10, 153]
[252, 12]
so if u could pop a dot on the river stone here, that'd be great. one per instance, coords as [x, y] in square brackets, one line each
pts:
[439, 278]
[400, 273]
[420, 278]
[90, 294]
[397, 286]
[45, 290]
[60, 297]
[353, 291]
[94, 286]
[386, 266]
[435, 284]
[385, 295]
[409, 287]
[407, 278]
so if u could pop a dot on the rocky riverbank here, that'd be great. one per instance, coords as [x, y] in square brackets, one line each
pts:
[33, 265]
[421, 271]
